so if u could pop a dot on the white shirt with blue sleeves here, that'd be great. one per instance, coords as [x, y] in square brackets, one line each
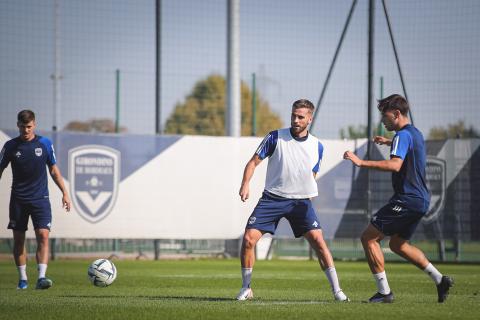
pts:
[292, 164]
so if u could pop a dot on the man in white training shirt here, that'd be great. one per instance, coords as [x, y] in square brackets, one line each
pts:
[294, 160]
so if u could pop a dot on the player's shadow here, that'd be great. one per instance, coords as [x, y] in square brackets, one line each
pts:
[211, 299]
[199, 299]
[188, 298]
[222, 299]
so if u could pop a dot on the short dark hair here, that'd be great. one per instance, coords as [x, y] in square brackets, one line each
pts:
[303, 103]
[394, 102]
[25, 116]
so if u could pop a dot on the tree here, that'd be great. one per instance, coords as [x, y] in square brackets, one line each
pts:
[360, 132]
[456, 130]
[203, 112]
[93, 125]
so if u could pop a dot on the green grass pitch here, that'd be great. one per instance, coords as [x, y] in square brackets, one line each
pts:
[205, 289]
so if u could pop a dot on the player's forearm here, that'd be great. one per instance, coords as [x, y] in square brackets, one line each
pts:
[59, 182]
[58, 179]
[248, 172]
[383, 165]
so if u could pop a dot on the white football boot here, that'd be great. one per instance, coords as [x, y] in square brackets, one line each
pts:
[340, 296]
[245, 294]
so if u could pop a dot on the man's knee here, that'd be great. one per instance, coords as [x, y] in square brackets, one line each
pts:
[42, 236]
[249, 240]
[367, 239]
[315, 238]
[371, 236]
[19, 237]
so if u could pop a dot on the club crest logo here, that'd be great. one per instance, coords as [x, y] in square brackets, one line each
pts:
[436, 182]
[94, 174]
[38, 152]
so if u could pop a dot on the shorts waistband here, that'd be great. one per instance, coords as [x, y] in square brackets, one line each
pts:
[272, 195]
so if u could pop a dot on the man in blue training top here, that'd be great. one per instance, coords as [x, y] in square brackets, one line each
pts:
[400, 217]
[29, 154]
[294, 158]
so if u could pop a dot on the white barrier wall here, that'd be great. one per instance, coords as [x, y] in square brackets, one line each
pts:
[187, 191]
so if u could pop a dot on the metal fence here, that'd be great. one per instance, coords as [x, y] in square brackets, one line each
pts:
[282, 248]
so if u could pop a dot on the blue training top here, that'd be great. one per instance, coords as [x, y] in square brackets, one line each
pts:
[409, 183]
[28, 160]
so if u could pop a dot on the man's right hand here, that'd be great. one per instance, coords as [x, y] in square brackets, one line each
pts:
[244, 192]
[382, 140]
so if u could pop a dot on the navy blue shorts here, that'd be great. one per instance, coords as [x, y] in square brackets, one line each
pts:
[393, 219]
[39, 210]
[271, 208]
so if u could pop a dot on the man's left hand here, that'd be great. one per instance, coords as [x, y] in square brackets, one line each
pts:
[66, 202]
[349, 155]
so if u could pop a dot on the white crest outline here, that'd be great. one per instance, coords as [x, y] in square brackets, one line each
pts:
[431, 216]
[99, 149]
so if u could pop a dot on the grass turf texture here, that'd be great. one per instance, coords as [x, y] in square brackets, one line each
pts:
[205, 289]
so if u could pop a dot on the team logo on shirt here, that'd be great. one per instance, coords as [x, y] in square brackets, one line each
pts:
[436, 183]
[94, 174]
[18, 154]
[38, 152]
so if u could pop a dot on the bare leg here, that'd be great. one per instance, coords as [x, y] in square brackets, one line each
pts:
[370, 242]
[42, 245]
[316, 241]
[315, 238]
[414, 255]
[411, 253]
[250, 239]
[19, 250]
[371, 238]
[247, 258]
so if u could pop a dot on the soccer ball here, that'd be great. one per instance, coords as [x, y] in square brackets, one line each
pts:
[102, 272]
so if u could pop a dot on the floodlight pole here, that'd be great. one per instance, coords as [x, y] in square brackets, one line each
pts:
[233, 114]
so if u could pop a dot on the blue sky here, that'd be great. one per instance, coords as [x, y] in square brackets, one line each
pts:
[288, 44]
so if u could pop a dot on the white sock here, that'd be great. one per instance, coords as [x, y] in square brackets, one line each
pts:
[382, 283]
[42, 270]
[433, 273]
[246, 277]
[22, 272]
[332, 277]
